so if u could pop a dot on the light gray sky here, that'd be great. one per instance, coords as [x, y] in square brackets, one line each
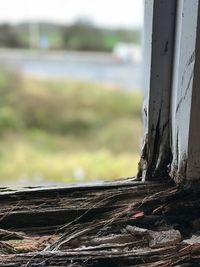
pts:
[111, 13]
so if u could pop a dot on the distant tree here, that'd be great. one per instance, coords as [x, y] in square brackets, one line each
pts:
[131, 36]
[83, 37]
[8, 37]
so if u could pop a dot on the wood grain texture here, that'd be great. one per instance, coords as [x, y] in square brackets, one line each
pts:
[171, 144]
[124, 223]
[159, 44]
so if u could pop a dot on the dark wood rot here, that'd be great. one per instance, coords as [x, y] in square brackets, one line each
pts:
[123, 223]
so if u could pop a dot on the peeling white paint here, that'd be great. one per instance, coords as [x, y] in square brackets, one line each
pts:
[172, 109]
[159, 43]
[184, 58]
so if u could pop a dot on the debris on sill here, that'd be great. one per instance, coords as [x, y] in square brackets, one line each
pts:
[157, 239]
[113, 224]
[195, 239]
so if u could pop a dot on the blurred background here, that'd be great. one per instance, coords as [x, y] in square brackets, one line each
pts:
[70, 90]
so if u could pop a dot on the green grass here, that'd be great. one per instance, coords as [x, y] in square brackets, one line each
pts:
[66, 131]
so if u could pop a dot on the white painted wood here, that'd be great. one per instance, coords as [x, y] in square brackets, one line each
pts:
[159, 43]
[172, 109]
[184, 60]
[193, 163]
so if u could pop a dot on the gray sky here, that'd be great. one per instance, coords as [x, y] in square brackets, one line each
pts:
[111, 13]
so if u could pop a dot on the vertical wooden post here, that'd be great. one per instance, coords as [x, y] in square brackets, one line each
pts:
[159, 43]
[185, 108]
[172, 109]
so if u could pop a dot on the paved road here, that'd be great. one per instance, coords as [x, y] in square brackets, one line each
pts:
[101, 67]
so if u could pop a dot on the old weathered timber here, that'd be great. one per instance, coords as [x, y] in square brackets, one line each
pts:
[171, 138]
[123, 223]
[110, 224]
[186, 95]
[126, 223]
[158, 61]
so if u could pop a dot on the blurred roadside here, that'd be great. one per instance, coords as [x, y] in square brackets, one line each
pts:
[80, 36]
[66, 131]
[70, 92]
[107, 68]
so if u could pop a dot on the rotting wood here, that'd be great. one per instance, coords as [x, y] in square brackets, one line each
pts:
[124, 223]
[171, 145]
[158, 57]
[114, 225]
[184, 107]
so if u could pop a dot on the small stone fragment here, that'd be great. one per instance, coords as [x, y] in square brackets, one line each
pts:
[164, 238]
[193, 240]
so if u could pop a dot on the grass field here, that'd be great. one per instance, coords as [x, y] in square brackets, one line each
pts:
[66, 131]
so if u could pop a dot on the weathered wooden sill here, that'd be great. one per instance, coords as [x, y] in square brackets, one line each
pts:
[95, 225]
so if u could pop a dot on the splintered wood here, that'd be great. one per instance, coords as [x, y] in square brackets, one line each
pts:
[116, 224]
